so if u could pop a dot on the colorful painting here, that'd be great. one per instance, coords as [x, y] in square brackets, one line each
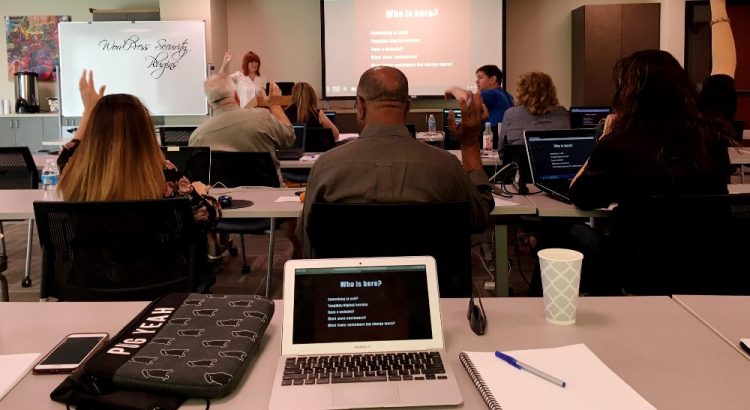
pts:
[33, 44]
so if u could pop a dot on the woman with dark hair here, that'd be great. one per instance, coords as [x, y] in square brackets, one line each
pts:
[659, 143]
[657, 146]
[537, 109]
[248, 81]
[304, 109]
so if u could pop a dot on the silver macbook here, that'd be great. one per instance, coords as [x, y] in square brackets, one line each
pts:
[362, 332]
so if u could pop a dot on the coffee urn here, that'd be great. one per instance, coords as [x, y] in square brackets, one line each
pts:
[27, 92]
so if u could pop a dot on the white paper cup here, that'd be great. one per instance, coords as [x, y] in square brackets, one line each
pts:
[561, 278]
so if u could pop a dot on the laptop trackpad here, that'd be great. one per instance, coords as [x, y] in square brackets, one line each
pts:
[371, 394]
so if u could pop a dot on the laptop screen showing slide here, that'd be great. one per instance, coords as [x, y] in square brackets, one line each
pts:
[359, 310]
[555, 156]
[587, 117]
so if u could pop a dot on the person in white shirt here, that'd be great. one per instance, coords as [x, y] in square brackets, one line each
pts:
[248, 82]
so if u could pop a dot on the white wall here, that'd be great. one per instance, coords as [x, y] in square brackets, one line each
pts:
[286, 33]
[539, 37]
[77, 9]
[286, 36]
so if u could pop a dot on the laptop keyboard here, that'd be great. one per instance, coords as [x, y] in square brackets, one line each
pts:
[376, 367]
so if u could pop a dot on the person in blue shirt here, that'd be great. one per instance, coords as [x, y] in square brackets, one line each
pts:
[496, 99]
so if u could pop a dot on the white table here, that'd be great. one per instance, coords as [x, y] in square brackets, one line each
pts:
[740, 156]
[490, 160]
[724, 315]
[653, 344]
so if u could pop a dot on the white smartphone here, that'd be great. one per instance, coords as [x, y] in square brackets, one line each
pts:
[70, 353]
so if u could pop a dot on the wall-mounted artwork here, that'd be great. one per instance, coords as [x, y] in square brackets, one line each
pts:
[33, 44]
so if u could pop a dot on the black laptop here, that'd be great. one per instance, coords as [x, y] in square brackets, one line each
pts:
[297, 150]
[587, 117]
[556, 156]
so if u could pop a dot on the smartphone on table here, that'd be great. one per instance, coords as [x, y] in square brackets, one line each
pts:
[71, 353]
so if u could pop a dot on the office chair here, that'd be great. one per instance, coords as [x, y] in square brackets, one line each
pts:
[234, 169]
[18, 171]
[193, 162]
[684, 245]
[175, 135]
[118, 250]
[441, 230]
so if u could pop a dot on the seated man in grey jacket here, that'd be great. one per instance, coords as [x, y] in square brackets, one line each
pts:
[386, 165]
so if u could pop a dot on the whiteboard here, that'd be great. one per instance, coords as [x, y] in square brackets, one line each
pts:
[161, 62]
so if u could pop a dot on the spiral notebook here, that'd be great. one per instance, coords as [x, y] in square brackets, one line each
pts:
[590, 383]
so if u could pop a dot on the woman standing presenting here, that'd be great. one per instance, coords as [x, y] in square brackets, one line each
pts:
[248, 81]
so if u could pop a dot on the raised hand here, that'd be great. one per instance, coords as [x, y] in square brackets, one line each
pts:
[467, 131]
[89, 95]
[228, 56]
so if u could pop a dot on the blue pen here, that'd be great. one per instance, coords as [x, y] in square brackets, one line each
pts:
[523, 366]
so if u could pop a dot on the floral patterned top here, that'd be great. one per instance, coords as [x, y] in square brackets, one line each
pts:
[206, 209]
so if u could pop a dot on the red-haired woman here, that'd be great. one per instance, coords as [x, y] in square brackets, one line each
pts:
[248, 81]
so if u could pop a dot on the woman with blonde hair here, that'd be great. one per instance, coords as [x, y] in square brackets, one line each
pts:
[115, 156]
[537, 109]
[304, 109]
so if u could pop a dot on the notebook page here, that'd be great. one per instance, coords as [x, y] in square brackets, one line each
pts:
[590, 383]
[14, 368]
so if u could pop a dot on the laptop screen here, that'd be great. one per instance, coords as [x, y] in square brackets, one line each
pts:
[587, 117]
[558, 155]
[361, 303]
[299, 135]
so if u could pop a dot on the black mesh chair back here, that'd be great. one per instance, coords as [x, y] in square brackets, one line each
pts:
[739, 129]
[235, 169]
[17, 169]
[175, 135]
[441, 230]
[118, 250]
[319, 139]
[193, 162]
[685, 245]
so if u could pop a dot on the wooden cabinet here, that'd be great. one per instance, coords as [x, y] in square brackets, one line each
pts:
[603, 34]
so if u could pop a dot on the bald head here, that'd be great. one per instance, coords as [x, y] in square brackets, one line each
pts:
[385, 92]
[218, 87]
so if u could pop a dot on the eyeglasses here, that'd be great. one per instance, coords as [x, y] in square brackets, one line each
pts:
[476, 316]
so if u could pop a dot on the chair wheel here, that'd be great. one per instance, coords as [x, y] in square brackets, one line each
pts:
[26, 282]
[233, 251]
[245, 269]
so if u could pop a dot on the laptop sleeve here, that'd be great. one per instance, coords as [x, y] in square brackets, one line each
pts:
[192, 345]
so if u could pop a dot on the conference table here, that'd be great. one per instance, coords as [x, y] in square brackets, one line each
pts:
[308, 160]
[653, 344]
[726, 316]
[277, 203]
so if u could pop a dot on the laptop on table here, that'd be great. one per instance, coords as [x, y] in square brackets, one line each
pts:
[297, 150]
[587, 117]
[556, 156]
[362, 332]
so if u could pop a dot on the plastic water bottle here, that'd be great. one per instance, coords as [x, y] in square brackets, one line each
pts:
[487, 138]
[431, 125]
[50, 175]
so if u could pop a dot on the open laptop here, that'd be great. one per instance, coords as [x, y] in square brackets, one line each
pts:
[555, 156]
[297, 150]
[587, 117]
[362, 332]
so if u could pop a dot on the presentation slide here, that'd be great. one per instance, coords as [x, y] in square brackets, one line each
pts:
[561, 158]
[362, 306]
[436, 43]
